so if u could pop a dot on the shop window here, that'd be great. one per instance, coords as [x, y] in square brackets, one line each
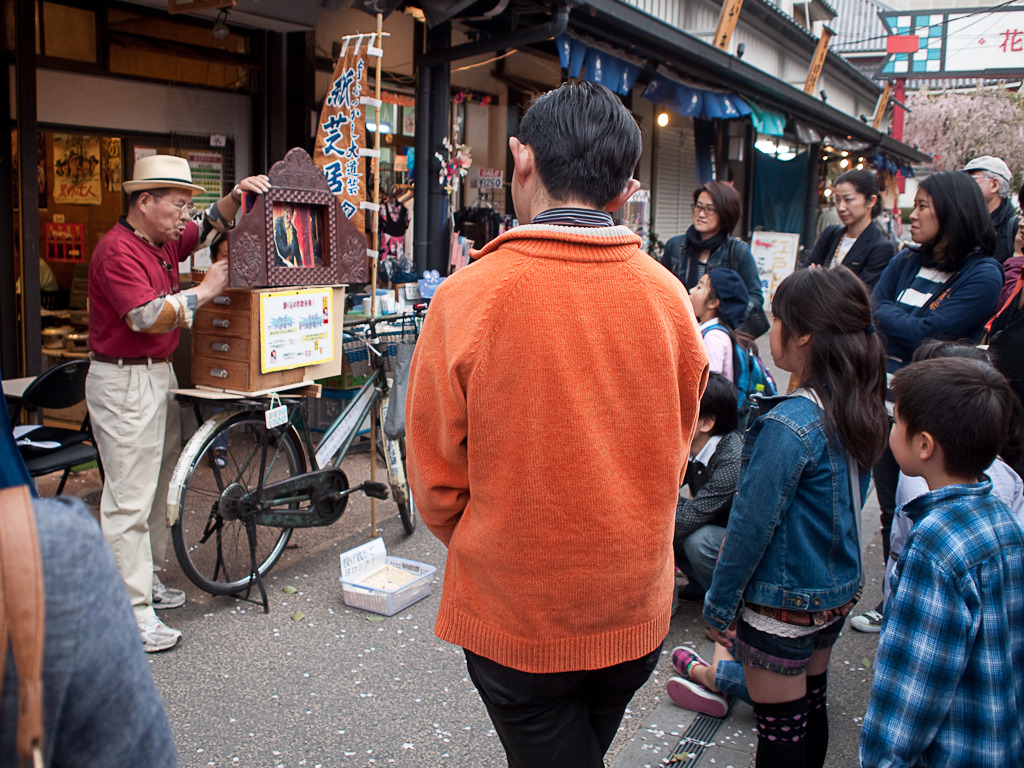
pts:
[67, 32]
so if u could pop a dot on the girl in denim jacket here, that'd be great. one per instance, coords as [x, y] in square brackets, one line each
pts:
[789, 571]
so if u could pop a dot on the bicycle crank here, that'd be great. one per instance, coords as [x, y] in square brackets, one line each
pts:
[306, 501]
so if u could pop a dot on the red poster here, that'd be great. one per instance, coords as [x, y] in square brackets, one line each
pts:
[64, 242]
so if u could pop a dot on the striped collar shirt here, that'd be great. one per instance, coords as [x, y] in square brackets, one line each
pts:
[574, 217]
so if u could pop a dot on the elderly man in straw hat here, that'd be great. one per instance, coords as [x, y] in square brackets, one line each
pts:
[135, 310]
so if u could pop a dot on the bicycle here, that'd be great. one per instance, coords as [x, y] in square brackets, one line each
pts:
[240, 486]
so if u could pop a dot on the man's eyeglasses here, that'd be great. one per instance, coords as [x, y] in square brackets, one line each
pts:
[707, 209]
[186, 210]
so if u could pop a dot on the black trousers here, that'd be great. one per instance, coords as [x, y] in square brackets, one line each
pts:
[560, 719]
[886, 473]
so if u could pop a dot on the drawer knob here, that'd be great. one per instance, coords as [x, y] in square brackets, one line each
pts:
[224, 301]
[220, 347]
[218, 373]
[221, 322]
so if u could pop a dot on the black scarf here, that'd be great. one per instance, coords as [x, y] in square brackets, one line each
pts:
[693, 240]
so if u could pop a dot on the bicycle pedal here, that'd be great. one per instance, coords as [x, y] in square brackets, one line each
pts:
[375, 490]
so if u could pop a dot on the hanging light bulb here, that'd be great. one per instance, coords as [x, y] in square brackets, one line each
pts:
[844, 163]
[663, 119]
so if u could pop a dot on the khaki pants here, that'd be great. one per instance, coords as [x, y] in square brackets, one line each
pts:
[138, 432]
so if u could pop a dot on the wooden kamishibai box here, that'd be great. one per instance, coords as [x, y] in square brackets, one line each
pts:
[294, 237]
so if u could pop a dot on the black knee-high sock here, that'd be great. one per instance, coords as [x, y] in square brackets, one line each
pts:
[816, 741]
[781, 729]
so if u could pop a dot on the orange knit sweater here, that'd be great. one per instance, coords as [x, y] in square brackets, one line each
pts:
[553, 395]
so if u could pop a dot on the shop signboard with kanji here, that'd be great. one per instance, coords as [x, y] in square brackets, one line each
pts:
[954, 43]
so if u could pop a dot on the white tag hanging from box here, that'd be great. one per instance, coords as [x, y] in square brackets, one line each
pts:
[276, 415]
[374, 581]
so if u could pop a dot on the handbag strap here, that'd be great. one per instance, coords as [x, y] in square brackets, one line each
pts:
[22, 612]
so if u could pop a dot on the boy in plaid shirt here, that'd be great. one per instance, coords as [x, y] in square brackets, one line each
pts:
[949, 680]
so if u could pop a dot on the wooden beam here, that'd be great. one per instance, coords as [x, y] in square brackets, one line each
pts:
[727, 20]
[184, 6]
[883, 102]
[818, 62]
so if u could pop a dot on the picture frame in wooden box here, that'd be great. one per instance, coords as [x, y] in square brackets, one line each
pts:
[296, 233]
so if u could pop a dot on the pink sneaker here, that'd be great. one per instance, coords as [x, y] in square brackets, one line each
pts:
[697, 698]
[683, 659]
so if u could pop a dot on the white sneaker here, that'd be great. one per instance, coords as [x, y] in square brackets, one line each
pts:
[157, 636]
[867, 622]
[165, 597]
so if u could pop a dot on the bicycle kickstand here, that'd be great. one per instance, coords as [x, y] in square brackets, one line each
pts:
[254, 571]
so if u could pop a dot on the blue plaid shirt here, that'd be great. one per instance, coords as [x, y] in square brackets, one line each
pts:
[949, 678]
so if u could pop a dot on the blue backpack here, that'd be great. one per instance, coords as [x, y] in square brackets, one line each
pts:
[749, 374]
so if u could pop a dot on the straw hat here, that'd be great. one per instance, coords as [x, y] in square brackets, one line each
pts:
[160, 171]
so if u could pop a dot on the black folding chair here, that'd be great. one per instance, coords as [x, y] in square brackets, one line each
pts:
[60, 387]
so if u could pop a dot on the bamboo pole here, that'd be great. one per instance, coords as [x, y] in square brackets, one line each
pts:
[375, 238]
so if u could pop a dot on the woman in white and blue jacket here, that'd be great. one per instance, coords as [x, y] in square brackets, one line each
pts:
[945, 286]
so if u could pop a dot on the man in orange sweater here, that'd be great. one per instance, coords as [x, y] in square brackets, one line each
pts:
[552, 398]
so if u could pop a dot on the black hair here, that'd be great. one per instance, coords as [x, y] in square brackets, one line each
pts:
[932, 349]
[585, 143]
[726, 200]
[964, 220]
[719, 402]
[964, 404]
[221, 237]
[847, 360]
[866, 183]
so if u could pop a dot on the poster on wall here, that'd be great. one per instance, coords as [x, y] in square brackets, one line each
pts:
[207, 172]
[110, 163]
[342, 130]
[64, 241]
[775, 256]
[295, 329]
[76, 169]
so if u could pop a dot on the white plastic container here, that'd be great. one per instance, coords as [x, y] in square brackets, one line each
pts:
[374, 581]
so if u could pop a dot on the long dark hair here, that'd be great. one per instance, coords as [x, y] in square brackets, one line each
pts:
[847, 360]
[963, 218]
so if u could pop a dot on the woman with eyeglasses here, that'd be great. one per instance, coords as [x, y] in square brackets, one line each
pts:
[707, 244]
[857, 243]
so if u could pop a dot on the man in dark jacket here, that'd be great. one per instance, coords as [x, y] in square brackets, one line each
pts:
[994, 177]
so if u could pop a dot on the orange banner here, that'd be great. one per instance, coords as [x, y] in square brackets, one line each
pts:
[341, 134]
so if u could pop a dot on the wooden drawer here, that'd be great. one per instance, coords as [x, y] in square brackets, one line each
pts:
[239, 376]
[222, 321]
[221, 347]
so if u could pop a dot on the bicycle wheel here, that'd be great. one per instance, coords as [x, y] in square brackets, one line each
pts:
[408, 512]
[217, 467]
[392, 452]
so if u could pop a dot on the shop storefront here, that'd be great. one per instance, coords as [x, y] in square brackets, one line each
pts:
[233, 104]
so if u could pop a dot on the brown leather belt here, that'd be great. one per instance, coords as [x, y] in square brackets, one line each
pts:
[127, 360]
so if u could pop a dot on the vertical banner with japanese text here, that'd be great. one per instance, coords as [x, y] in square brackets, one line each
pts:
[341, 133]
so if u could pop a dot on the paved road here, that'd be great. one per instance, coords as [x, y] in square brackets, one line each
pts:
[340, 689]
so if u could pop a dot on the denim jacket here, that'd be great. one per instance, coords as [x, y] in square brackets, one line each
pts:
[792, 539]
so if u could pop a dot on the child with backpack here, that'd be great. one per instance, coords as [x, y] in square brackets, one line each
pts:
[790, 568]
[719, 301]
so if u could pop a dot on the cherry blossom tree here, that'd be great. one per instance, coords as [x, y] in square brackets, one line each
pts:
[957, 126]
